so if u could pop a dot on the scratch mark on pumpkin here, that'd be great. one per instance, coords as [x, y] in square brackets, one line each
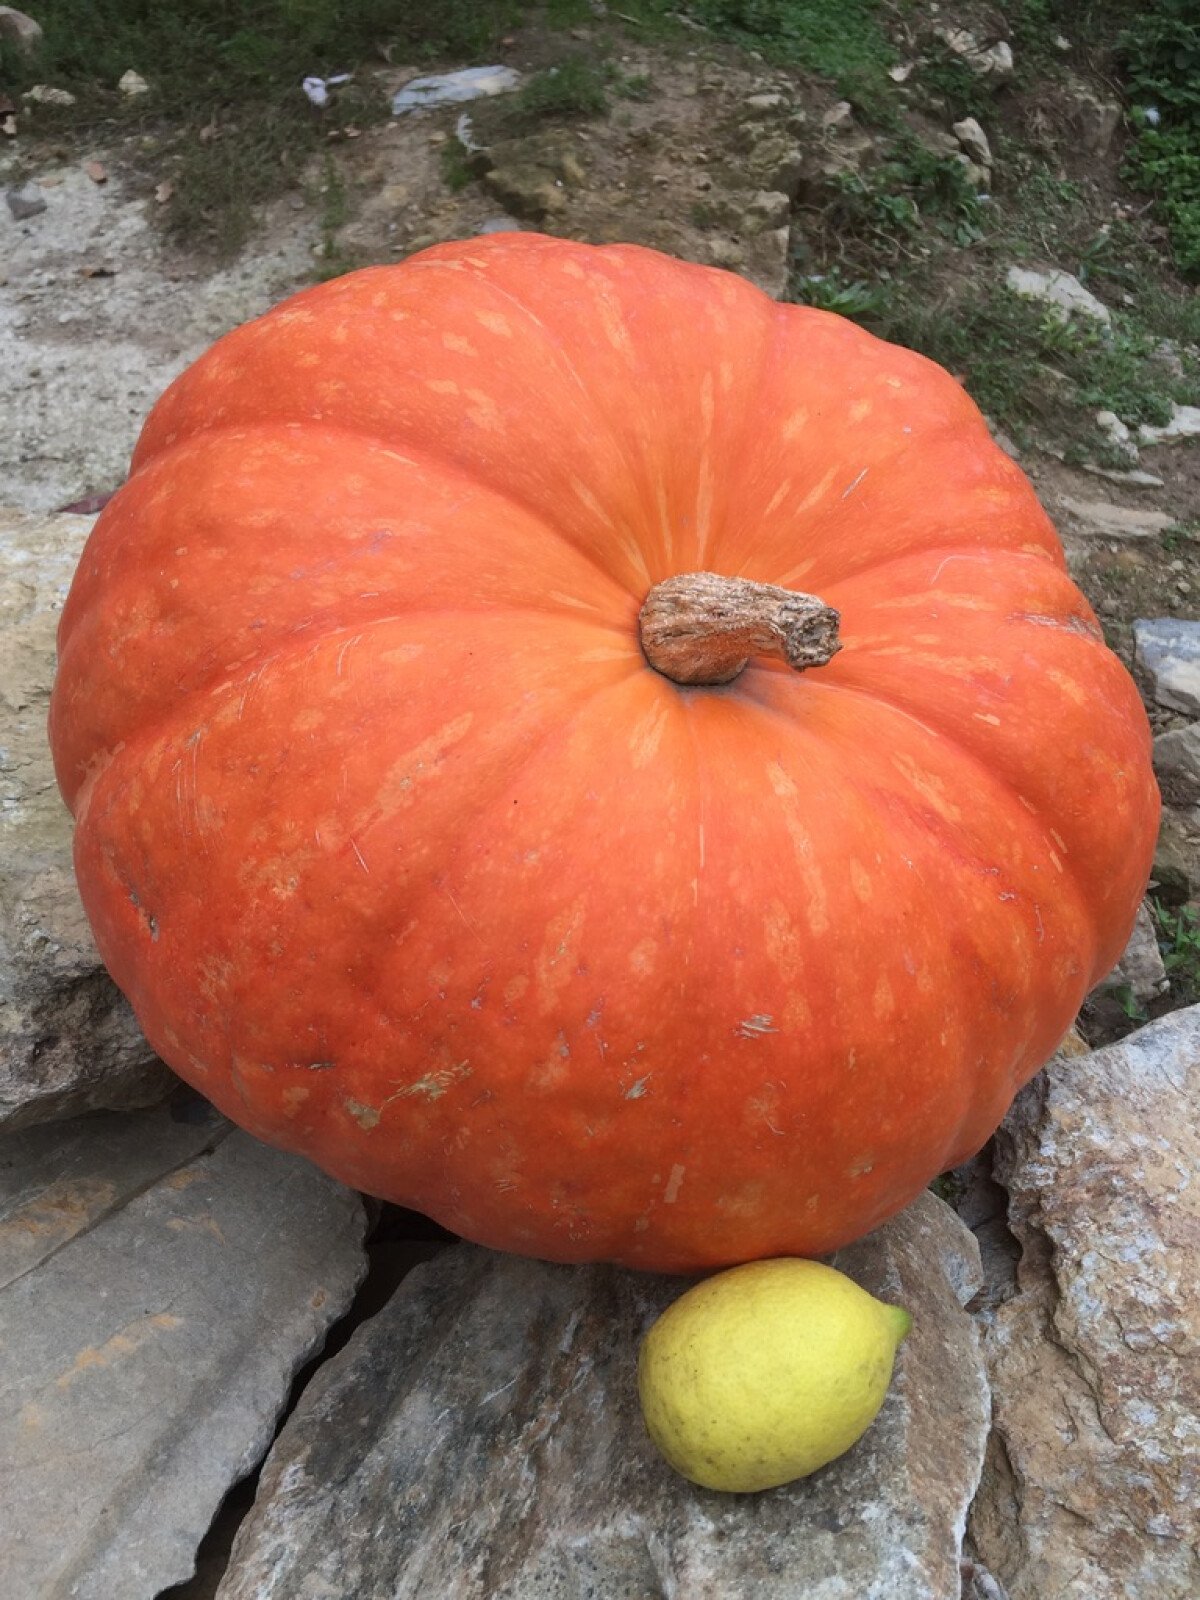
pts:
[638, 1089]
[359, 854]
[674, 1184]
[850, 487]
[754, 1027]
[341, 656]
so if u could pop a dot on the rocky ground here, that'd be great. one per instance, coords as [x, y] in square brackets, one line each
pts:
[178, 1283]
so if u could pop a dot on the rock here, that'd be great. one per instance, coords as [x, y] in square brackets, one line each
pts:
[1176, 871]
[974, 141]
[1059, 290]
[68, 1040]
[44, 94]
[978, 177]
[768, 261]
[1090, 1488]
[1103, 520]
[991, 61]
[169, 1283]
[770, 208]
[1168, 651]
[25, 202]
[488, 1417]
[1117, 433]
[20, 31]
[838, 116]
[454, 88]
[1177, 765]
[499, 225]
[1140, 969]
[775, 164]
[725, 252]
[527, 189]
[1092, 117]
[758, 103]
[1135, 478]
[132, 84]
[1184, 424]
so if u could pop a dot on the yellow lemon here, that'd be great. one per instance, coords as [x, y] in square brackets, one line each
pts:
[764, 1373]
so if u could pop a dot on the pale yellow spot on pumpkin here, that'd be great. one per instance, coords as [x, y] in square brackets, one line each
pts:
[460, 346]
[795, 424]
[441, 385]
[1073, 690]
[798, 572]
[646, 735]
[894, 383]
[294, 1098]
[778, 497]
[308, 358]
[1058, 864]
[928, 786]
[1059, 841]
[483, 410]
[797, 1014]
[780, 941]
[725, 376]
[559, 955]
[366, 1116]
[674, 1184]
[643, 956]
[883, 1001]
[416, 765]
[818, 492]
[860, 881]
[816, 898]
[572, 269]
[860, 409]
[515, 988]
[986, 716]
[495, 322]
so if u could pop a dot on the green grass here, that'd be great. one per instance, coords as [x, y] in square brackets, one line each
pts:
[1179, 940]
[229, 124]
[1160, 54]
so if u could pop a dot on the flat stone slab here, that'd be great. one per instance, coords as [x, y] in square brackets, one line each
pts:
[1169, 651]
[481, 1439]
[163, 1279]
[1093, 1481]
[68, 1039]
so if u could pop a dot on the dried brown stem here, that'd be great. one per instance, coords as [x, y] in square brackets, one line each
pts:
[701, 627]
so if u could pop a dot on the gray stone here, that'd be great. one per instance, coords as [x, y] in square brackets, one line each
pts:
[499, 225]
[1135, 478]
[1092, 1480]
[146, 1355]
[1176, 871]
[1062, 292]
[776, 163]
[1102, 519]
[20, 31]
[1140, 969]
[68, 1040]
[770, 208]
[527, 189]
[25, 202]
[481, 1437]
[1177, 765]
[1168, 651]
[1184, 424]
[1093, 117]
[986, 61]
[974, 141]
[45, 94]
[132, 84]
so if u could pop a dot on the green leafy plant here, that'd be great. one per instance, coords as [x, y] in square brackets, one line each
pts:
[1179, 940]
[1160, 52]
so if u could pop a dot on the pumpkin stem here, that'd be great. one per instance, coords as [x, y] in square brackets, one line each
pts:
[701, 627]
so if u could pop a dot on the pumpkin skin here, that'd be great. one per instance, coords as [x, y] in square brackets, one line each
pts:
[408, 859]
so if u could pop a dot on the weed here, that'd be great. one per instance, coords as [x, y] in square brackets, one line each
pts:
[1160, 52]
[830, 291]
[1179, 940]
[574, 88]
[456, 169]
[842, 40]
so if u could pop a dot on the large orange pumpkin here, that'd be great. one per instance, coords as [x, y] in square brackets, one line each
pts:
[409, 858]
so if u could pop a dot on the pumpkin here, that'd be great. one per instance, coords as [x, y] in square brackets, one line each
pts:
[582, 750]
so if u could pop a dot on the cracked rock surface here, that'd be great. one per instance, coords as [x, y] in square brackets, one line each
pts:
[486, 1422]
[68, 1039]
[162, 1279]
[1093, 1474]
